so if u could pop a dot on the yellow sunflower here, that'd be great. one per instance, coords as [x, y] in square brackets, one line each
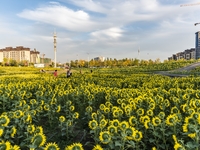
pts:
[137, 136]
[5, 145]
[38, 139]
[94, 116]
[15, 147]
[129, 133]
[13, 131]
[116, 113]
[161, 115]
[89, 109]
[39, 129]
[156, 121]
[103, 123]
[124, 125]
[132, 120]
[61, 118]
[93, 124]
[46, 107]
[75, 146]
[1, 132]
[171, 121]
[174, 110]
[76, 115]
[178, 146]
[58, 108]
[140, 111]
[102, 106]
[4, 120]
[33, 101]
[51, 146]
[97, 147]
[150, 112]
[112, 129]
[192, 135]
[105, 137]
[115, 123]
[106, 110]
[71, 108]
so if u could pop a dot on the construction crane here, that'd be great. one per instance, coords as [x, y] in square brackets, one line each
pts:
[189, 4]
[197, 23]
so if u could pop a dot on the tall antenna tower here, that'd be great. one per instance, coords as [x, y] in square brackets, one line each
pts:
[55, 43]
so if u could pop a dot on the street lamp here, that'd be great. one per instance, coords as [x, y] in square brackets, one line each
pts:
[77, 61]
[88, 60]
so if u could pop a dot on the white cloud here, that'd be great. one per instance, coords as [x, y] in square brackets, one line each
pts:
[58, 15]
[113, 33]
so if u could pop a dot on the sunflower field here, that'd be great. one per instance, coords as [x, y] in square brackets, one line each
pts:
[108, 109]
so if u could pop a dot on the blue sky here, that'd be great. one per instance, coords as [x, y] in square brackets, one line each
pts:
[91, 28]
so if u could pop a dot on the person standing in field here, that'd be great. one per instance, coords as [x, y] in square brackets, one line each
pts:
[55, 74]
[68, 73]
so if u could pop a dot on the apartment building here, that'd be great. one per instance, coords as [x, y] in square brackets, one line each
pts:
[186, 54]
[99, 58]
[20, 53]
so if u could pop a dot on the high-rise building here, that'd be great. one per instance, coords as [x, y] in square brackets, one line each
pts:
[197, 45]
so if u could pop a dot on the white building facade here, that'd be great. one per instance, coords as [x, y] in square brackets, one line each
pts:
[20, 53]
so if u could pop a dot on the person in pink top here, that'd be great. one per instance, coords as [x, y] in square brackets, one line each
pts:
[55, 73]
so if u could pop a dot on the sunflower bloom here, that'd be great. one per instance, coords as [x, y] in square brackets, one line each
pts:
[75, 146]
[93, 124]
[156, 121]
[103, 123]
[105, 137]
[31, 129]
[112, 129]
[51, 146]
[137, 135]
[97, 147]
[58, 108]
[132, 120]
[129, 133]
[124, 125]
[5, 145]
[170, 120]
[13, 131]
[4, 120]
[1, 132]
[15, 147]
[61, 118]
[115, 123]
[38, 139]
[178, 146]
[192, 135]
[76, 115]
[140, 112]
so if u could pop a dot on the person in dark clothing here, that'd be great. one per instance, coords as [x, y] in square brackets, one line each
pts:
[69, 73]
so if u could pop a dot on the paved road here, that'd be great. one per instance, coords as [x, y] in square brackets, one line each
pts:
[189, 67]
[186, 68]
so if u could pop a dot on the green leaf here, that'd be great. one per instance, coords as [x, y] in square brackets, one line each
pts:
[132, 143]
[151, 140]
[191, 145]
[117, 143]
[111, 145]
